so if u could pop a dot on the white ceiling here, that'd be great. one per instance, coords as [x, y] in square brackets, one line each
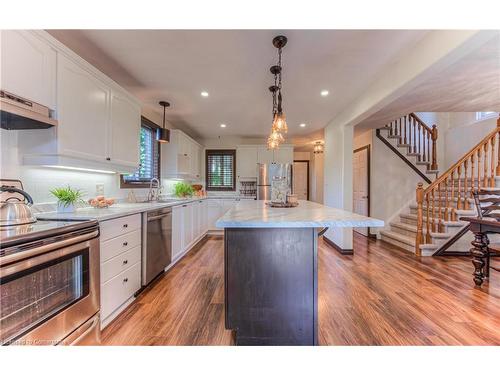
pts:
[233, 66]
[472, 84]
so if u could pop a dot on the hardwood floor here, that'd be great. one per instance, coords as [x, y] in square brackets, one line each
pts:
[378, 296]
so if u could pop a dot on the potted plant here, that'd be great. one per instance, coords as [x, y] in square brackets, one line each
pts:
[67, 198]
[183, 190]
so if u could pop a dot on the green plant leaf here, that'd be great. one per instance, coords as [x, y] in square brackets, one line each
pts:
[182, 189]
[67, 196]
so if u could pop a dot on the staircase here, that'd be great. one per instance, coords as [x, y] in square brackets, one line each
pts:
[431, 224]
[414, 142]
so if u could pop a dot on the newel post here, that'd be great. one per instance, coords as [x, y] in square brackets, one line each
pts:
[434, 137]
[420, 218]
[498, 158]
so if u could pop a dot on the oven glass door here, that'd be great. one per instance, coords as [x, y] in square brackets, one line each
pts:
[33, 295]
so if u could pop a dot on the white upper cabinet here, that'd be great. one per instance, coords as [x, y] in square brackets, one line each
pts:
[124, 130]
[181, 157]
[284, 154]
[265, 156]
[246, 161]
[83, 112]
[98, 121]
[28, 67]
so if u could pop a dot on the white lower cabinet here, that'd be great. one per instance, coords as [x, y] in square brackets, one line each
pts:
[189, 225]
[118, 290]
[177, 231]
[120, 253]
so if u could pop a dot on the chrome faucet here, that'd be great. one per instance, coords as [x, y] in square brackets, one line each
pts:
[153, 195]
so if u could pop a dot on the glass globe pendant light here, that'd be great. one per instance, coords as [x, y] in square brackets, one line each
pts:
[279, 125]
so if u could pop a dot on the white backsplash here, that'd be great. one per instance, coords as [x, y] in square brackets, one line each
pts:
[38, 181]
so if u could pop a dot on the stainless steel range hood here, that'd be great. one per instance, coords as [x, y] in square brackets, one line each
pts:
[18, 113]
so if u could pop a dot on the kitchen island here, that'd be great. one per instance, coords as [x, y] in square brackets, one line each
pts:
[271, 269]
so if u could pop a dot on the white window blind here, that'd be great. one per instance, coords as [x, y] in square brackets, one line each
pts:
[148, 157]
[220, 169]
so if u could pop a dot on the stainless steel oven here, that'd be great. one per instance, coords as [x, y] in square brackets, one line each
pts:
[49, 288]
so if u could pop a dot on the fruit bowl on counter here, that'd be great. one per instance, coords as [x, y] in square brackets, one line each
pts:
[101, 202]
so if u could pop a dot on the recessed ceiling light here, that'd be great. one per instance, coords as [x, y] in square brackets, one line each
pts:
[324, 92]
[302, 125]
[222, 125]
[204, 93]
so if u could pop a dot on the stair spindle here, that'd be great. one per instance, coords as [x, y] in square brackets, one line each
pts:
[400, 131]
[419, 141]
[479, 168]
[453, 213]
[446, 202]
[433, 226]
[440, 210]
[414, 137]
[459, 176]
[428, 238]
[405, 141]
[472, 184]
[492, 172]
[466, 200]
[485, 164]
[420, 201]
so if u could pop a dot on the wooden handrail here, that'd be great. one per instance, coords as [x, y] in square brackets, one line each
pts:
[418, 136]
[478, 167]
[423, 123]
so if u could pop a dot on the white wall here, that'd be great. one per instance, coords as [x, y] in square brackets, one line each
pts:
[317, 182]
[464, 132]
[338, 178]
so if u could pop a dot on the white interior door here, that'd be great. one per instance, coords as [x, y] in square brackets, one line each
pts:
[300, 178]
[360, 182]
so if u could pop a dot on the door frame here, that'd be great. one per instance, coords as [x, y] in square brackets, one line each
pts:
[368, 169]
[307, 162]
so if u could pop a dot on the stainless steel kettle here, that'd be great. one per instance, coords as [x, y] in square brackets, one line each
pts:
[14, 211]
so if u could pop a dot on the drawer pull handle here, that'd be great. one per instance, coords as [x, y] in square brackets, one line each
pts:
[125, 280]
[125, 261]
[125, 243]
[125, 225]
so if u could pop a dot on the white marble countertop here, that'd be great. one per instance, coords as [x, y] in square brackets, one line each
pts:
[120, 209]
[255, 214]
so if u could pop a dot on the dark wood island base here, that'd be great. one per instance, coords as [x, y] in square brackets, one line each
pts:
[271, 285]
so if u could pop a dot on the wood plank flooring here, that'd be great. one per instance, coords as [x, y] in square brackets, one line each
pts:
[378, 296]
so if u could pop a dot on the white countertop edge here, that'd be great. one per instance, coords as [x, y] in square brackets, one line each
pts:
[301, 224]
[117, 210]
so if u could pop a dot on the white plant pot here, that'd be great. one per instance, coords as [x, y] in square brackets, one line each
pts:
[65, 209]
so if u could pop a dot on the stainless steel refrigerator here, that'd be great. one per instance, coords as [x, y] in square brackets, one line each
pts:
[266, 174]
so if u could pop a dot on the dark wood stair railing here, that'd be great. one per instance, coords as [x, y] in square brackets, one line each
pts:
[453, 189]
[421, 139]
[418, 138]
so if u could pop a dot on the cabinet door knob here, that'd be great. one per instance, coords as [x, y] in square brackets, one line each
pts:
[125, 243]
[125, 225]
[125, 280]
[125, 261]
[108, 158]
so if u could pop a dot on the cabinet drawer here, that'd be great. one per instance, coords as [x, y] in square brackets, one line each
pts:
[117, 245]
[120, 263]
[119, 289]
[122, 225]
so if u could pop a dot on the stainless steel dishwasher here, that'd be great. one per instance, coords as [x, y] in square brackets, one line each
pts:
[156, 243]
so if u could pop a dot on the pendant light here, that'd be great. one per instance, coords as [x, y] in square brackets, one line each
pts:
[163, 134]
[279, 125]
